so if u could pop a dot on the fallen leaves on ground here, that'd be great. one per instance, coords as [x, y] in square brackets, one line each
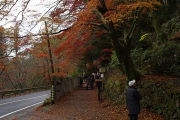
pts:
[84, 105]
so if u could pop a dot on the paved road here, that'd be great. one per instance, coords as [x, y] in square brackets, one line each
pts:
[12, 105]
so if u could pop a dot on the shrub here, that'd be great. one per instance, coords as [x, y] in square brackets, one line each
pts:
[161, 59]
[159, 97]
[47, 101]
[114, 88]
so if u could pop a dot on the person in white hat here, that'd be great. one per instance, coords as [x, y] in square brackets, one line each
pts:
[133, 98]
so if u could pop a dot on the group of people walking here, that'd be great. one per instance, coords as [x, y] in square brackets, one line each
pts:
[88, 80]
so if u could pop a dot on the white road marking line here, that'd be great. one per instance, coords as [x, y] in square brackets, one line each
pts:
[20, 109]
[22, 100]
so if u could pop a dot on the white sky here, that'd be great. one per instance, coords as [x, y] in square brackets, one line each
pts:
[34, 11]
[32, 14]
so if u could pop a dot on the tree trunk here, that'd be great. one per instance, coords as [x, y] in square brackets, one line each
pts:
[122, 50]
[123, 55]
[127, 64]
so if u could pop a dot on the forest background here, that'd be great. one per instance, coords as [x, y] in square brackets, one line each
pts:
[131, 39]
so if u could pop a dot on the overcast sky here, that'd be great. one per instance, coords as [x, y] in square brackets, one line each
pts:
[34, 11]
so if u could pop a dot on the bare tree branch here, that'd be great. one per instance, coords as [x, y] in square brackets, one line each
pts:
[9, 9]
[38, 34]
[133, 27]
[58, 2]
[23, 11]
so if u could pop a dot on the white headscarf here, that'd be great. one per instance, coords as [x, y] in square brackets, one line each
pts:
[131, 83]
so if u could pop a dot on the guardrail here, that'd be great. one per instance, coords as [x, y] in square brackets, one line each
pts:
[9, 93]
[62, 88]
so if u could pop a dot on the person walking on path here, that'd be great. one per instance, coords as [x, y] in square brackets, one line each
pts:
[80, 82]
[92, 81]
[133, 98]
[87, 82]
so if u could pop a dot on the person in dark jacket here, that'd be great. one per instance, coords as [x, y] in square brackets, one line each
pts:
[80, 82]
[133, 98]
[92, 81]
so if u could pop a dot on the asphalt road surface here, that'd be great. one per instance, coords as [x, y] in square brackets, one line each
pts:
[13, 105]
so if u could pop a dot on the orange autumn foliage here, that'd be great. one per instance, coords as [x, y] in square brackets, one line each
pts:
[42, 54]
[118, 11]
[88, 25]
[2, 66]
[92, 22]
[59, 74]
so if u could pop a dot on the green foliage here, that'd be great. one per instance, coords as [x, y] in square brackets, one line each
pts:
[162, 59]
[114, 88]
[145, 36]
[170, 28]
[114, 61]
[159, 52]
[74, 74]
[47, 101]
[159, 97]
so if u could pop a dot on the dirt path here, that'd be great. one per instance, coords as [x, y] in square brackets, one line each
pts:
[84, 105]
[81, 105]
[77, 105]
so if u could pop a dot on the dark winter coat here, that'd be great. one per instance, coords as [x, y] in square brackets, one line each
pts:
[133, 100]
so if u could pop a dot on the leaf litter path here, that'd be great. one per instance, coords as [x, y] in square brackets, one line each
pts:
[84, 105]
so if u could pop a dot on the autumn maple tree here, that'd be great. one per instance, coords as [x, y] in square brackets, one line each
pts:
[117, 19]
